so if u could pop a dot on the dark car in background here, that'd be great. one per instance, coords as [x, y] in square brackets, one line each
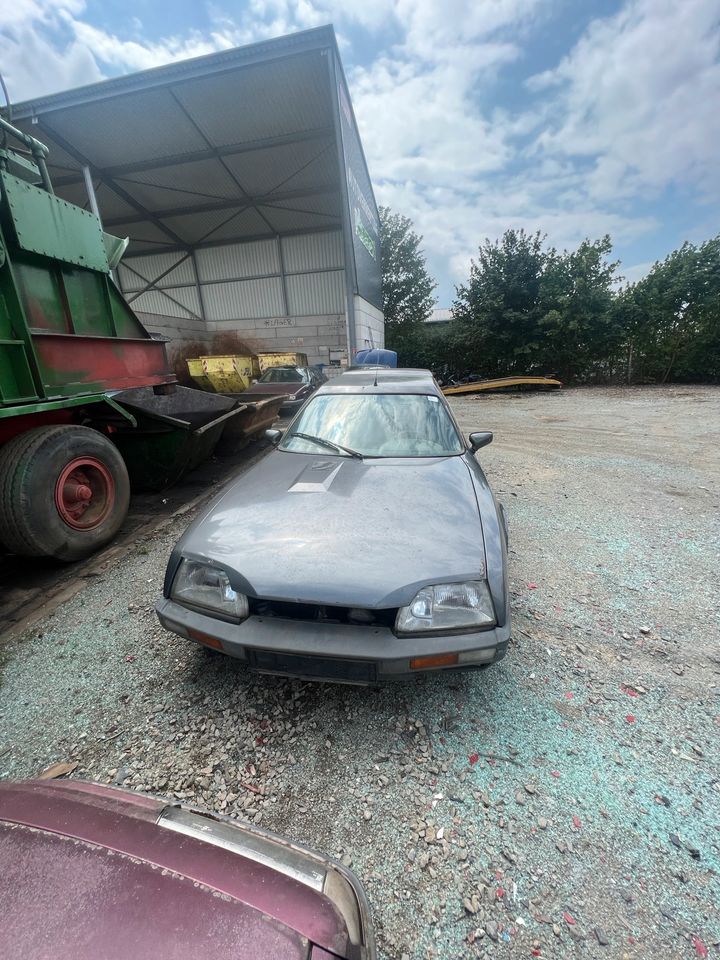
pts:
[296, 384]
[367, 546]
[91, 872]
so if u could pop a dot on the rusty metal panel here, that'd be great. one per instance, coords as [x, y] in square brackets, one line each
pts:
[310, 294]
[73, 366]
[314, 251]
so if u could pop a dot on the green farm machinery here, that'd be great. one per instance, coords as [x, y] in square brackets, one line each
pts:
[84, 405]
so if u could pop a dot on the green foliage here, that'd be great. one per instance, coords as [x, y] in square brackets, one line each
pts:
[528, 309]
[407, 286]
[671, 318]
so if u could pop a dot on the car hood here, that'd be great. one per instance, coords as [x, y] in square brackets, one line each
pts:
[138, 889]
[344, 531]
[274, 389]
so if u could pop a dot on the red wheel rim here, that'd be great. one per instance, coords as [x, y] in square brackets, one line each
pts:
[84, 493]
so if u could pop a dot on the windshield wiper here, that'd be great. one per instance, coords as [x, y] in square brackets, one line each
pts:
[329, 443]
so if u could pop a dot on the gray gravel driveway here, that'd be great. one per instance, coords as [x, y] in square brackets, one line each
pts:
[564, 803]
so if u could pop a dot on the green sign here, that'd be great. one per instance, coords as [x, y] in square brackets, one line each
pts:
[365, 239]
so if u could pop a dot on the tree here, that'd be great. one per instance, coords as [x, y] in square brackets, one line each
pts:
[407, 286]
[497, 312]
[578, 336]
[529, 309]
[672, 316]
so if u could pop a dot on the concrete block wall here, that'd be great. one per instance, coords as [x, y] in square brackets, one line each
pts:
[369, 325]
[180, 330]
[314, 335]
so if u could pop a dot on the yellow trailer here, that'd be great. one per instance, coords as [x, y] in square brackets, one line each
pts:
[267, 360]
[228, 374]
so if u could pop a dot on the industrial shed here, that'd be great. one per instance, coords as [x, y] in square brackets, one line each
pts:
[241, 182]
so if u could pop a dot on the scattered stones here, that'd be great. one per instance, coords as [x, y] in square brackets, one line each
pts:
[601, 936]
[319, 763]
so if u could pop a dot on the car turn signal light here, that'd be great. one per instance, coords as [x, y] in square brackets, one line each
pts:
[204, 638]
[438, 660]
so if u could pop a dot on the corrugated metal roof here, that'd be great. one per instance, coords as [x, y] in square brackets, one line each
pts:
[262, 171]
[244, 223]
[296, 99]
[316, 293]
[149, 125]
[235, 146]
[314, 251]
[175, 148]
[292, 221]
[206, 178]
[193, 228]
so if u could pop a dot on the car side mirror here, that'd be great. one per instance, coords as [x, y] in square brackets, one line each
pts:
[274, 436]
[481, 439]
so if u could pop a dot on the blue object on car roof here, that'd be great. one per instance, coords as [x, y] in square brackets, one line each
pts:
[387, 358]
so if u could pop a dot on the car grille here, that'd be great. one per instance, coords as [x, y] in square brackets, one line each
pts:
[323, 613]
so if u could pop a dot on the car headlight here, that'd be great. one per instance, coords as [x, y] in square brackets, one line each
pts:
[447, 607]
[200, 585]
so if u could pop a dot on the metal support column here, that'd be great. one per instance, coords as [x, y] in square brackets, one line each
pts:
[90, 188]
[283, 280]
[350, 280]
[198, 286]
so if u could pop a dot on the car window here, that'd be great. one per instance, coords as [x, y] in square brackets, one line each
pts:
[283, 375]
[376, 425]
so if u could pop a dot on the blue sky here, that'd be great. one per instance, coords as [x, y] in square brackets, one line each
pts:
[574, 117]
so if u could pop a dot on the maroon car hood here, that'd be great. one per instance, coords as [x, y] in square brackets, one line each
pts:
[86, 876]
[274, 389]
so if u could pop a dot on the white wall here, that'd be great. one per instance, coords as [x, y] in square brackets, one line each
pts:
[278, 294]
[369, 325]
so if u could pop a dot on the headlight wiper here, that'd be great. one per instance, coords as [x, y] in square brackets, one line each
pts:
[329, 443]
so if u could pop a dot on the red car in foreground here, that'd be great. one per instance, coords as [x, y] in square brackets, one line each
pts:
[90, 872]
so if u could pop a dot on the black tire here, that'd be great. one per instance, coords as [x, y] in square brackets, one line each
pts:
[31, 518]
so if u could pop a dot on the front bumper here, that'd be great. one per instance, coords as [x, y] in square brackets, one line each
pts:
[331, 651]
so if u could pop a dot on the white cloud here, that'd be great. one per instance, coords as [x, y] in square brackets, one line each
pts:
[639, 95]
[36, 54]
[135, 55]
[628, 111]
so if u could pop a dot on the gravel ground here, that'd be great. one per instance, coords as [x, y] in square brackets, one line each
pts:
[564, 803]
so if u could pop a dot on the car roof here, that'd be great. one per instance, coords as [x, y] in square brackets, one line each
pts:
[374, 379]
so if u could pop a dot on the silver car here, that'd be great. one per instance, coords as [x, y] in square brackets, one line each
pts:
[367, 546]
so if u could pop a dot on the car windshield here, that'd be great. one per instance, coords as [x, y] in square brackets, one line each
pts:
[375, 425]
[282, 375]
